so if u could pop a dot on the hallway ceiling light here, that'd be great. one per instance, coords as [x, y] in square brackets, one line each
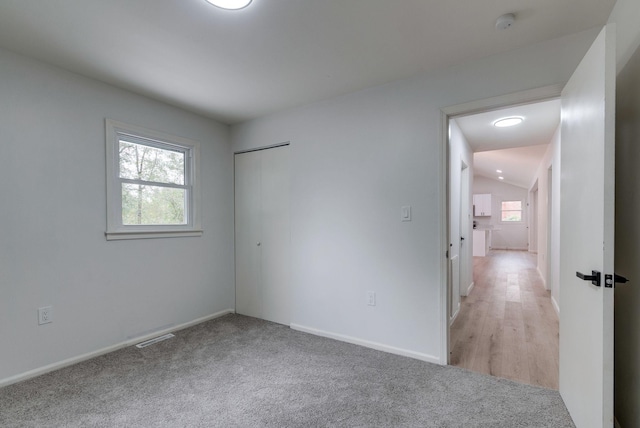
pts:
[230, 4]
[501, 178]
[508, 121]
[499, 171]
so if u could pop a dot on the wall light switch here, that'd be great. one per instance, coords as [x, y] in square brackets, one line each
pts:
[405, 213]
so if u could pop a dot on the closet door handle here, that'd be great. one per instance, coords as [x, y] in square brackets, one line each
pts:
[259, 244]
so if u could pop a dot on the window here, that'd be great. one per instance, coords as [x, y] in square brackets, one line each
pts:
[152, 184]
[511, 211]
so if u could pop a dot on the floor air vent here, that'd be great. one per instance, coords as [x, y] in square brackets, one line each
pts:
[154, 340]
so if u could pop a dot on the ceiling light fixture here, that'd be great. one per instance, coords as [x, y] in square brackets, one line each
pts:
[508, 121]
[501, 178]
[499, 171]
[230, 4]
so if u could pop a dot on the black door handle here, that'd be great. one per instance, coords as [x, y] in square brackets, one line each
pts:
[620, 279]
[594, 277]
[610, 280]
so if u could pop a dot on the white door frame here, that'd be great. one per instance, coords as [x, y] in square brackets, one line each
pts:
[465, 230]
[532, 220]
[517, 98]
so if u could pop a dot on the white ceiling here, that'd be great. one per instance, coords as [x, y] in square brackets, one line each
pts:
[274, 54]
[517, 150]
[518, 165]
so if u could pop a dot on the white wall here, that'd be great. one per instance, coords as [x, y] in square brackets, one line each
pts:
[356, 160]
[53, 249]
[627, 249]
[459, 152]
[505, 236]
[548, 263]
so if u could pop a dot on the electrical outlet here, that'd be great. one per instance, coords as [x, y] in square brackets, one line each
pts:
[371, 298]
[45, 315]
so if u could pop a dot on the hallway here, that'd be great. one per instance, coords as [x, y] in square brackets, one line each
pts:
[507, 326]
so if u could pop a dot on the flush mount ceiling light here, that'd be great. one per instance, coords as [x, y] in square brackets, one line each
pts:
[501, 178]
[499, 171]
[508, 121]
[230, 4]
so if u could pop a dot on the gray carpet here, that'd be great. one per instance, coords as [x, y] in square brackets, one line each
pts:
[237, 371]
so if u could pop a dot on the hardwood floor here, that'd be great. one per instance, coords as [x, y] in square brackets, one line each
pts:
[507, 326]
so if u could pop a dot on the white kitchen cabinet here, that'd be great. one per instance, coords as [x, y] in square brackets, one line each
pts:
[482, 205]
[481, 242]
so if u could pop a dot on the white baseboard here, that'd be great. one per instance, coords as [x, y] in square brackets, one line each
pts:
[555, 305]
[511, 248]
[542, 277]
[74, 360]
[473, 284]
[455, 315]
[368, 344]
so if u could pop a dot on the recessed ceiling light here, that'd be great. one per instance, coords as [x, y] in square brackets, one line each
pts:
[499, 171]
[508, 121]
[230, 4]
[501, 178]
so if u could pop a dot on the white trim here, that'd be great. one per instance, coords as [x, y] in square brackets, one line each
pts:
[522, 219]
[529, 96]
[367, 344]
[517, 98]
[455, 315]
[130, 342]
[555, 305]
[473, 284]
[116, 236]
[544, 280]
[510, 248]
[444, 239]
[115, 229]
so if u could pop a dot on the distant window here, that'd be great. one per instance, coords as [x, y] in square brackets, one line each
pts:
[152, 184]
[511, 211]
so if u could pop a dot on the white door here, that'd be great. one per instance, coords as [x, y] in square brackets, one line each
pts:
[586, 237]
[248, 195]
[262, 234]
[465, 233]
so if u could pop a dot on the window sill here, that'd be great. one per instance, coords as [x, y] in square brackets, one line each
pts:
[118, 236]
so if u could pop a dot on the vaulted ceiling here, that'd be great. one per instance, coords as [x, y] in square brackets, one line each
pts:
[516, 151]
[274, 54]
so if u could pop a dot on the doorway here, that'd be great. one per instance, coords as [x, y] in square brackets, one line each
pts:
[507, 321]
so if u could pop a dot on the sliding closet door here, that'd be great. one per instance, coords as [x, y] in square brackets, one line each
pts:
[262, 234]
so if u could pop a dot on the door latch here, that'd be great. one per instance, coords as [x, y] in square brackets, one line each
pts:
[594, 277]
[610, 280]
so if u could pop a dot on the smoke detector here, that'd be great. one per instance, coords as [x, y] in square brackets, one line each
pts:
[505, 21]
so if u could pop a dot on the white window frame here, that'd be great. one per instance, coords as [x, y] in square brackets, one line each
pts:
[521, 211]
[116, 230]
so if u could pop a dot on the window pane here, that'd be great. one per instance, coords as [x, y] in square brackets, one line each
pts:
[512, 205]
[152, 205]
[140, 162]
[511, 215]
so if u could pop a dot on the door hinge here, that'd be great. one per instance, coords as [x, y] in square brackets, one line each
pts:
[610, 280]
